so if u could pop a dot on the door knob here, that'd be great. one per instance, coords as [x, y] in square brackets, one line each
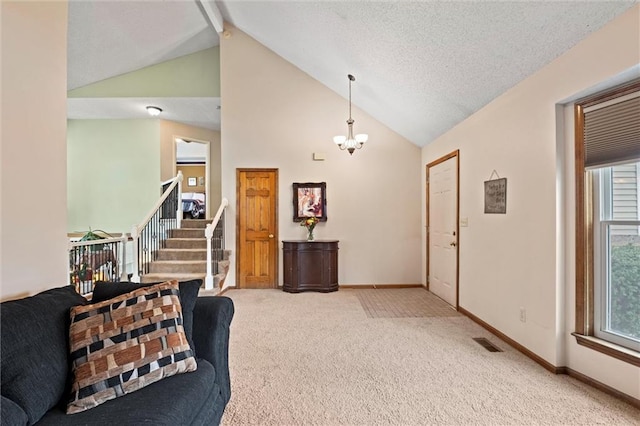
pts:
[453, 244]
[270, 235]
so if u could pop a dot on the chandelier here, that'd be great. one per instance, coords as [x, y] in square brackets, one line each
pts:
[349, 142]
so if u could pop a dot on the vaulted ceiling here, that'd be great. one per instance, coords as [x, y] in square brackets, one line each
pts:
[421, 67]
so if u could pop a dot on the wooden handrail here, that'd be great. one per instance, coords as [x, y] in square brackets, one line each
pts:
[176, 181]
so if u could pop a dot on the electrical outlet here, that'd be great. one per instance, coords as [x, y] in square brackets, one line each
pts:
[523, 314]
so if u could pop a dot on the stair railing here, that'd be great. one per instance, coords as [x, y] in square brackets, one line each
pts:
[151, 234]
[96, 260]
[214, 233]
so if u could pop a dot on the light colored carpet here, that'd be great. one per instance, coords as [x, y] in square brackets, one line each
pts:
[318, 359]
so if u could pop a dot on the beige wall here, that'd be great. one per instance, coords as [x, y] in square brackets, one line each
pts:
[192, 171]
[276, 116]
[526, 257]
[169, 130]
[34, 82]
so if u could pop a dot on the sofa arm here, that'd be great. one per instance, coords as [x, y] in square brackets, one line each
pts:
[12, 414]
[211, 320]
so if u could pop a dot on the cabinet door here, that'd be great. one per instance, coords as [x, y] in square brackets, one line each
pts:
[289, 268]
[310, 268]
[330, 268]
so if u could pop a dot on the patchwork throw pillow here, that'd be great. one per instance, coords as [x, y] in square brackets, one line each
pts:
[126, 343]
[188, 296]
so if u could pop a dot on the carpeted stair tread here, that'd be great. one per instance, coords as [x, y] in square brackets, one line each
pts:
[195, 223]
[187, 233]
[186, 243]
[190, 266]
[180, 276]
[182, 254]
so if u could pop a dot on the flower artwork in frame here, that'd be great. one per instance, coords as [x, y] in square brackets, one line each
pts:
[310, 200]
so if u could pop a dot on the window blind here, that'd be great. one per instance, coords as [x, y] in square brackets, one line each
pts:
[612, 131]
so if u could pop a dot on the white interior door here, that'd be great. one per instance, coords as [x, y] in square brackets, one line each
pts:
[443, 229]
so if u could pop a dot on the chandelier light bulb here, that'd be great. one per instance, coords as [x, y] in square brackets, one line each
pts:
[339, 140]
[362, 137]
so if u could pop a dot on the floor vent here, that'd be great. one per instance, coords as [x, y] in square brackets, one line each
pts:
[487, 344]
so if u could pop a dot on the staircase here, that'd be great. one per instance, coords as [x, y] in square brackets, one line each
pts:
[184, 256]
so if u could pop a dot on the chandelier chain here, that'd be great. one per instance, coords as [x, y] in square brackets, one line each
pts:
[349, 99]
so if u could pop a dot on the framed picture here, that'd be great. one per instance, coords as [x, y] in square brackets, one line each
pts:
[495, 196]
[201, 181]
[191, 181]
[310, 200]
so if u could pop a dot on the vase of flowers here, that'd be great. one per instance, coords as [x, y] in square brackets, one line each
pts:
[310, 223]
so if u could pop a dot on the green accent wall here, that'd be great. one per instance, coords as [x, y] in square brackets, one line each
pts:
[194, 75]
[113, 173]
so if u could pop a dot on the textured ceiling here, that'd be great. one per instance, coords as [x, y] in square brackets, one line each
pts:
[421, 66]
[109, 38]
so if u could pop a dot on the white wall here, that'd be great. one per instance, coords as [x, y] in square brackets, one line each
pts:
[276, 116]
[526, 257]
[113, 177]
[34, 82]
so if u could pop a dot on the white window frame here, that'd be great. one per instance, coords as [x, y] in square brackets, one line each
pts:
[602, 195]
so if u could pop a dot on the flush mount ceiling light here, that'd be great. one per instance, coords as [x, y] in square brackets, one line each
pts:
[349, 142]
[154, 111]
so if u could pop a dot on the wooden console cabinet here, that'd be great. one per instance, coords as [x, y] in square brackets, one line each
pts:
[310, 266]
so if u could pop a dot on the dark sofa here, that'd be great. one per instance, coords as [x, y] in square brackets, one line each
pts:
[35, 376]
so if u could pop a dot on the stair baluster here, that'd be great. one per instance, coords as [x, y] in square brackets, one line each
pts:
[151, 235]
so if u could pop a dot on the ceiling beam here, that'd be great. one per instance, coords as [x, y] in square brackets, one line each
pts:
[213, 13]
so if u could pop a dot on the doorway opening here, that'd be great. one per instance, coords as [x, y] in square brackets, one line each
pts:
[193, 160]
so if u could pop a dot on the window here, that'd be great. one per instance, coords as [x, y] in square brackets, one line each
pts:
[617, 255]
[608, 222]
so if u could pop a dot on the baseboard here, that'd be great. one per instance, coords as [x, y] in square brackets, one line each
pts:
[546, 364]
[601, 386]
[550, 367]
[379, 286]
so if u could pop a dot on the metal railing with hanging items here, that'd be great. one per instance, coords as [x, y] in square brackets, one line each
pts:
[96, 260]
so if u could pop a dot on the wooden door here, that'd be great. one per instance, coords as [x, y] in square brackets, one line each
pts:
[257, 195]
[442, 228]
